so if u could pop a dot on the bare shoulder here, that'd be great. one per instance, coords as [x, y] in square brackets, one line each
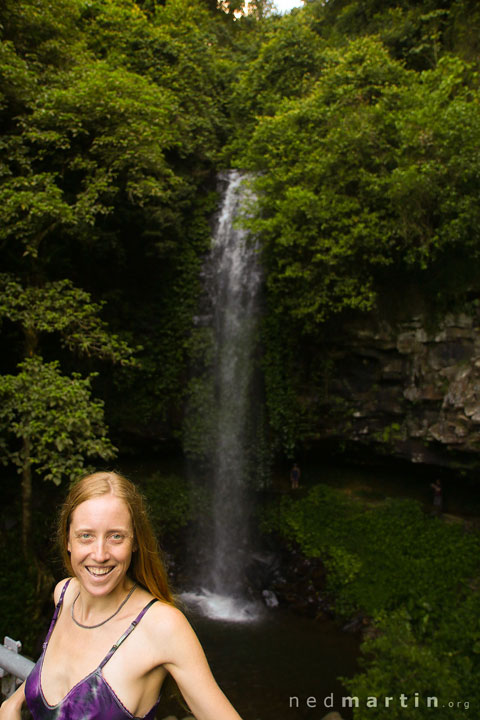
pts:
[169, 629]
[166, 620]
[58, 589]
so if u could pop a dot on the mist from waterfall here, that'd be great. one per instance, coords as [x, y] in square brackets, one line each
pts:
[233, 279]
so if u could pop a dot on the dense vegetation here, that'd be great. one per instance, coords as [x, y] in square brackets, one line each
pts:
[360, 121]
[364, 147]
[414, 576]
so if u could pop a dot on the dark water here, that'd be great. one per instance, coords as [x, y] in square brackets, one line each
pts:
[261, 665]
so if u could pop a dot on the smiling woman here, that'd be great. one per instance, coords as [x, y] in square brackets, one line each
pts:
[100, 546]
[118, 589]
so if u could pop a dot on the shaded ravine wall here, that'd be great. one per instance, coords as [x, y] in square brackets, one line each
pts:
[407, 390]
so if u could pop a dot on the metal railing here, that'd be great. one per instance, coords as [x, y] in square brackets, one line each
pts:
[14, 668]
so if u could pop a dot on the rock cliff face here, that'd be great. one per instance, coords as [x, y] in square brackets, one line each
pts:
[410, 391]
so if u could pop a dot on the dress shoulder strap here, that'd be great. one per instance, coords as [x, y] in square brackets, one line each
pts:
[55, 614]
[127, 632]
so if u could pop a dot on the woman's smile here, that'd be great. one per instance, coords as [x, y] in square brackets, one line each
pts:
[99, 571]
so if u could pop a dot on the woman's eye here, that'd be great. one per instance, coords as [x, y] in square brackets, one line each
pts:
[117, 537]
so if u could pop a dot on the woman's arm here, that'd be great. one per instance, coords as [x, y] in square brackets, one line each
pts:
[12, 706]
[187, 664]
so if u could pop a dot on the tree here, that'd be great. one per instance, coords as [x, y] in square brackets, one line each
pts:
[85, 161]
[288, 62]
[260, 8]
[60, 307]
[367, 180]
[50, 424]
[53, 416]
[374, 169]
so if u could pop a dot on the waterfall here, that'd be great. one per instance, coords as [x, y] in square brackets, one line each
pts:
[232, 278]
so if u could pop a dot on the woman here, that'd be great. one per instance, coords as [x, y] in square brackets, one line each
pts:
[115, 633]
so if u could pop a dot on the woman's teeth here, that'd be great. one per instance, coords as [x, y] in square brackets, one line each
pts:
[99, 571]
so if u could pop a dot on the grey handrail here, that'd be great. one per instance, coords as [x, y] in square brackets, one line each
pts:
[13, 666]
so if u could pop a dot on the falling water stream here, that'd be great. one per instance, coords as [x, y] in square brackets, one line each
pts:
[233, 281]
[235, 290]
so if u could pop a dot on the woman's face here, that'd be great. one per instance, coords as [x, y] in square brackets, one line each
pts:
[100, 543]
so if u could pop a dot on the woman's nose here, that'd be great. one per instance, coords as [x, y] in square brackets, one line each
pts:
[100, 550]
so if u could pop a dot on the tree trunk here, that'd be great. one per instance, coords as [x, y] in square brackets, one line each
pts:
[26, 496]
[31, 341]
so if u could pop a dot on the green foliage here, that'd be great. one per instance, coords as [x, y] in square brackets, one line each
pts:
[45, 33]
[55, 416]
[287, 62]
[390, 433]
[16, 83]
[360, 175]
[102, 133]
[112, 115]
[52, 415]
[16, 621]
[172, 502]
[400, 661]
[61, 307]
[413, 575]
[162, 317]
[403, 665]
[380, 557]
[417, 33]
[366, 172]
[200, 418]
[174, 51]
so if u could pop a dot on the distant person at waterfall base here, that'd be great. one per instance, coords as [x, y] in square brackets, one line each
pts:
[295, 476]
[437, 496]
[115, 634]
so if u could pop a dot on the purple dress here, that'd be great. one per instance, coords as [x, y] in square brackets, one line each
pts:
[90, 699]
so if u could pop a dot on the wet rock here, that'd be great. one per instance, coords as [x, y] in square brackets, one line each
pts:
[270, 599]
[461, 320]
[356, 623]
[411, 342]
[262, 569]
[300, 584]
[408, 391]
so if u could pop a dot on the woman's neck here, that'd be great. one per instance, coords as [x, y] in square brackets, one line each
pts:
[92, 609]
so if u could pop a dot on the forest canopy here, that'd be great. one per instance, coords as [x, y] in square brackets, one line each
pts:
[358, 120]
